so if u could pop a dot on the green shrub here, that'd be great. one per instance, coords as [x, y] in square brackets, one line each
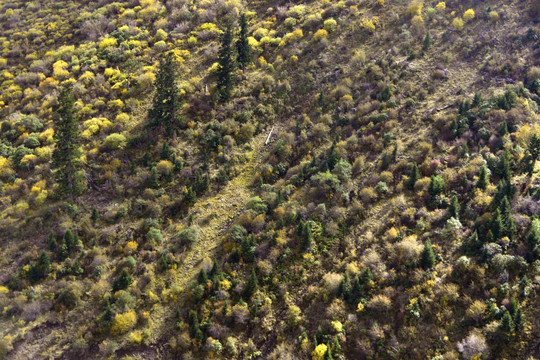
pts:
[115, 142]
[330, 25]
[188, 236]
[257, 205]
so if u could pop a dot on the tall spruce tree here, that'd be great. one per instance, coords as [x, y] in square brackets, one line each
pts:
[510, 229]
[483, 178]
[67, 153]
[252, 285]
[225, 66]
[243, 49]
[427, 259]
[413, 177]
[533, 152]
[166, 103]
[454, 208]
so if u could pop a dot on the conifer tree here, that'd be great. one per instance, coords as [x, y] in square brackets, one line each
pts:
[518, 320]
[166, 103]
[497, 225]
[507, 324]
[51, 241]
[189, 196]
[203, 277]
[243, 49]
[300, 228]
[166, 151]
[333, 156]
[307, 237]
[504, 166]
[473, 243]
[453, 210]
[356, 289]
[427, 259]
[510, 229]
[533, 152]
[413, 177]
[483, 178]
[366, 276]
[533, 238]
[67, 153]
[153, 180]
[69, 240]
[328, 353]
[427, 42]
[345, 288]
[123, 281]
[252, 285]
[225, 66]
[95, 215]
[41, 268]
[503, 130]
[194, 327]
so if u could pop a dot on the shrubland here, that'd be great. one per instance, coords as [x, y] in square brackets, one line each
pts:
[254, 179]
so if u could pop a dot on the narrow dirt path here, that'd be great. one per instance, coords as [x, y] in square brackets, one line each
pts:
[213, 215]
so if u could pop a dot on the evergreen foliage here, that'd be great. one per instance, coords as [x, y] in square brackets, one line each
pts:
[123, 281]
[427, 258]
[243, 48]
[225, 79]
[483, 178]
[166, 103]
[67, 153]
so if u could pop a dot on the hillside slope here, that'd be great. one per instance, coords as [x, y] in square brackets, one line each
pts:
[370, 190]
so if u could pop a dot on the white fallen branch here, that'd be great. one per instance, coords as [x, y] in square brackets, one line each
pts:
[268, 138]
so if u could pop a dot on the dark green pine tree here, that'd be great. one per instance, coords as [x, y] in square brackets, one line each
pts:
[507, 324]
[203, 277]
[533, 154]
[41, 268]
[504, 167]
[518, 320]
[366, 277]
[123, 281]
[533, 239]
[427, 258]
[503, 129]
[345, 288]
[166, 151]
[497, 225]
[510, 229]
[252, 285]
[534, 147]
[453, 209]
[107, 314]
[356, 289]
[51, 241]
[166, 103]
[243, 49]
[472, 245]
[413, 177]
[67, 153]
[333, 156]
[427, 41]
[95, 215]
[483, 178]
[189, 196]
[69, 240]
[300, 228]
[328, 354]
[226, 65]
[153, 180]
[194, 328]
[307, 237]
